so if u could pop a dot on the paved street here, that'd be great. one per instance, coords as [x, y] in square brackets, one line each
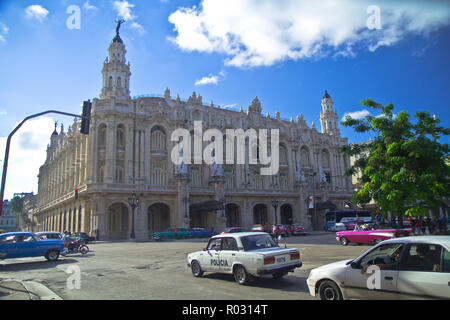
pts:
[158, 270]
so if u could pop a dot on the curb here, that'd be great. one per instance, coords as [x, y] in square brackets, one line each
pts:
[38, 291]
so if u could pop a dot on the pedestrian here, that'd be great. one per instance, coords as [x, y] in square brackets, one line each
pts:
[419, 226]
[436, 225]
[441, 224]
[275, 231]
[175, 231]
[430, 225]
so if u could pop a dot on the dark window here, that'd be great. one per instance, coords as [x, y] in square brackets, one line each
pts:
[445, 261]
[229, 244]
[422, 257]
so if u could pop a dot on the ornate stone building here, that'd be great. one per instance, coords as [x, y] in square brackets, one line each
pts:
[129, 150]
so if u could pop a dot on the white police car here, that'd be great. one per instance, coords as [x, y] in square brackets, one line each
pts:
[244, 254]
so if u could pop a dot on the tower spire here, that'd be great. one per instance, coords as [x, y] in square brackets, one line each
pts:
[116, 72]
[328, 116]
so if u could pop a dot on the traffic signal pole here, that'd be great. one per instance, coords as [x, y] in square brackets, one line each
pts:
[8, 141]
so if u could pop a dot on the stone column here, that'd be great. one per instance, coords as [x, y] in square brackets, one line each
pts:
[110, 151]
[181, 215]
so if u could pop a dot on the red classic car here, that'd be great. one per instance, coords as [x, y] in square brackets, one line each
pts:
[370, 236]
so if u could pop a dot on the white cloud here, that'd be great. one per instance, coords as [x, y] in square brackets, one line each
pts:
[3, 112]
[136, 26]
[357, 115]
[207, 80]
[211, 79]
[37, 12]
[3, 28]
[123, 9]
[3, 32]
[88, 6]
[264, 32]
[27, 153]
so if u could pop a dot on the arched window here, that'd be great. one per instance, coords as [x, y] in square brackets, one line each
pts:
[158, 138]
[159, 174]
[229, 178]
[304, 157]
[283, 155]
[110, 82]
[119, 82]
[325, 158]
[102, 135]
[79, 219]
[196, 176]
[101, 173]
[120, 135]
[284, 181]
[119, 175]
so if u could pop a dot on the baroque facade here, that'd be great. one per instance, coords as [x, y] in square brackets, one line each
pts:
[128, 150]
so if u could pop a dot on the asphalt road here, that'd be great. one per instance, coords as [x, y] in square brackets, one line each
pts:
[158, 271]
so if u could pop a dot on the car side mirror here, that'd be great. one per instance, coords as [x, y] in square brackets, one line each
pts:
[354, 265]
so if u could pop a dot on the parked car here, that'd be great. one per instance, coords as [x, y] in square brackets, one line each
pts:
[400, 268]
[183, 233]
[244, 255]
[84, 236]
[49, 235]
[201, 233]
[233, 230]
[281, 231]
[26, 244]
[370, 236]
[258, 228]
[298, 229]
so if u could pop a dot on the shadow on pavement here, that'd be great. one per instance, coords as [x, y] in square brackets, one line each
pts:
[287, 283]
[34, 265]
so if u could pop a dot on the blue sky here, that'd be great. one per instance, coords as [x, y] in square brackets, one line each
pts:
[286, 52]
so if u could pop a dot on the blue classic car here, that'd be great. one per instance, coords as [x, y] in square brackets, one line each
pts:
[26, 244]
[201, 233]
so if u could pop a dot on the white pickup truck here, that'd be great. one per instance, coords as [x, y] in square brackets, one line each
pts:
[244, 254]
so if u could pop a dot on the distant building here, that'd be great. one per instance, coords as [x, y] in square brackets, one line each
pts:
[8, 220]
[129, 149]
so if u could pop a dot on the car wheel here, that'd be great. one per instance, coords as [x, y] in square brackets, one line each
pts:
[196, 269]
[240, 275]
[52, 255]
[328, 290]
[344, 241]
[376, 241]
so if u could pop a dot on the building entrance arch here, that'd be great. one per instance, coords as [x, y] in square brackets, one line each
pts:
[158, 217]
[117, 221]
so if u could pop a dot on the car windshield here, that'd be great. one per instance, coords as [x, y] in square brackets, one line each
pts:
[256, 242]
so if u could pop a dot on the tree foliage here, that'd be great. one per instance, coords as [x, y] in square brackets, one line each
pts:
[16, 205]
[404, 169]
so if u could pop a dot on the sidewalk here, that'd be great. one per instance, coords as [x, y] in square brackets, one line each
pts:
[13, 289]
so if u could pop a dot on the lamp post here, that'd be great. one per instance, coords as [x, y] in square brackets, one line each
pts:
[223, 201]
[133, 201]
[275, 204]
[186, 207]
[314, 195]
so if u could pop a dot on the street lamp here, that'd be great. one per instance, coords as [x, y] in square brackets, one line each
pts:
[186, 206]
[275, 204]
[133, 201]
[223, 201]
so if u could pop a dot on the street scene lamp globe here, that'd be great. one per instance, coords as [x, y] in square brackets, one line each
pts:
[133, 201]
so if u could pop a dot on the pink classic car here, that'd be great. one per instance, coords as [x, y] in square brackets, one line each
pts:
[370, 236]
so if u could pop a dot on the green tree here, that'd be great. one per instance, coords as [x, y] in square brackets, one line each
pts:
[16, 205]
[404, 169]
